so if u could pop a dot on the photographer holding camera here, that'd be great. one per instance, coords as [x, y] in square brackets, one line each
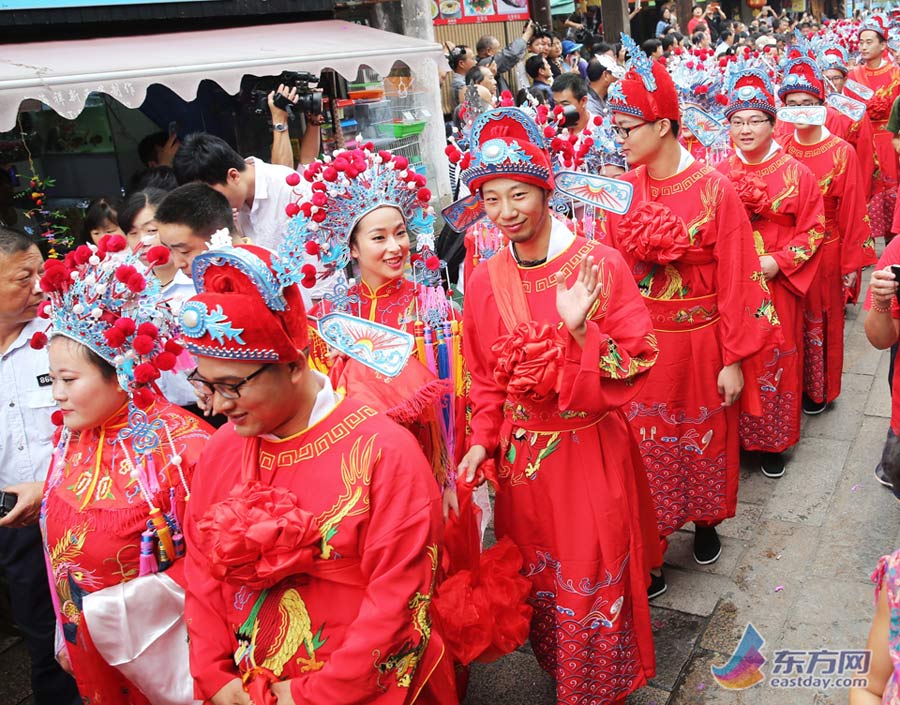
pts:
[258, 192]
[282, 153]
[506, 59]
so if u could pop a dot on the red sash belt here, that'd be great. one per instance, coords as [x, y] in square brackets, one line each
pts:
[784, 219]
[678, 315]
[539, 420]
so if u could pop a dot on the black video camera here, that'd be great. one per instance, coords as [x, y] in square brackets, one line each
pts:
[309, 100]
[570, 116]
[7, 502]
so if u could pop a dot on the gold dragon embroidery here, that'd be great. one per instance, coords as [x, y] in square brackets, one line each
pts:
[791, 187]
[710, 196]
[356, 474]
[840, 166]
[404, 661]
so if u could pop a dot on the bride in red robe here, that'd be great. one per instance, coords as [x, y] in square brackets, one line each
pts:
[124, 458]
[375, 227]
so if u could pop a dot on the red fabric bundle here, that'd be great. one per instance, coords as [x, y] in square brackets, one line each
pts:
[751, 189]
[258, 536]
[530, 360]
[480, 610]
[653, 233]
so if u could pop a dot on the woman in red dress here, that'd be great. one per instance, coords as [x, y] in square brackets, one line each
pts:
[371, 222]
[120, 476]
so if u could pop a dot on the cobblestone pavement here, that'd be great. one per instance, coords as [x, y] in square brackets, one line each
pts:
[795, 562]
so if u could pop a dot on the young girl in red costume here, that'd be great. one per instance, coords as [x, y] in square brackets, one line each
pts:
[120, 475]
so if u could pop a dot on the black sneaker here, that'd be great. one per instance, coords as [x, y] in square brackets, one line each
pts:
[813, 408]
[707, 546]
[882, 477]
[771, 464]
[657, 585]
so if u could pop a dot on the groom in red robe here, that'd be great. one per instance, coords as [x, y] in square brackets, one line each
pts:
[785, 208]
[557, 340]
[313, 520]
[688, 244]
[847, 246]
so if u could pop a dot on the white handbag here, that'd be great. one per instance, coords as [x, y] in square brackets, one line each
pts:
[138, 627]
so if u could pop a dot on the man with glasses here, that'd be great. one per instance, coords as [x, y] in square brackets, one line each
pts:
[314, 521]
[689, 245]
[785, 208]
[847, 246]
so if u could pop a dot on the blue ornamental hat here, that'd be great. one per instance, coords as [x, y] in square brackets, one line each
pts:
[876, 23]
[344, 188]
[802, 75]
[749, 88]
[507, 143]
[108, 299]
[248, 306]
[832, 55]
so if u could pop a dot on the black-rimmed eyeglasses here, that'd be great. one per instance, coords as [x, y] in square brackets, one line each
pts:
[226, 390]
[624, 132]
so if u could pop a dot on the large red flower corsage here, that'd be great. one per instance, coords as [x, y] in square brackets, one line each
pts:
[530, 360]
[751, 189]
[879, 108]
[258, 536]
[653, 233]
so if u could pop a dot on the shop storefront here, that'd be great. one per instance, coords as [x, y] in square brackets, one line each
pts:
[75, 110]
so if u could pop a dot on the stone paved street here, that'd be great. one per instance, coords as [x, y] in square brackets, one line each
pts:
[816, 534]
[795, 562]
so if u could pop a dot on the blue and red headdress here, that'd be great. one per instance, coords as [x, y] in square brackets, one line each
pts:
[832, 55]
[343, 190]
[875, 23]
[749, 88]
[108, 299]
[247, 307]
[507, 143]
[647, 91]
[800, 70]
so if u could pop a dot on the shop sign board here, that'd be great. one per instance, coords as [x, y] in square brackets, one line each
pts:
[445, 12]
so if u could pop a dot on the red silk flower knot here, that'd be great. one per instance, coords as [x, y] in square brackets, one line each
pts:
[653, 233]
[530, 360]
[751, 189]
[258, 536]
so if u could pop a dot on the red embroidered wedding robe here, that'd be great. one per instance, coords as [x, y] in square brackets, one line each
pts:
[782, 199]
[847, 247]
[573, 496]
[312, 559]
[689, 246]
